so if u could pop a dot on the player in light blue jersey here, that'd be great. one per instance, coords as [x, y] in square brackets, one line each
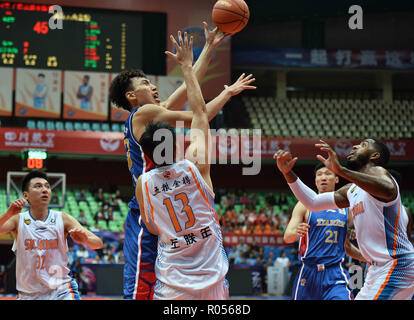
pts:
[322, 246]
[133, 91]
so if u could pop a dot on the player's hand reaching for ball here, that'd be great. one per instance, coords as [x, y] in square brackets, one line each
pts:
[284, 161]
[16, 206]
[183, 48]
[215, 36]
[242, 83]
[78, 235]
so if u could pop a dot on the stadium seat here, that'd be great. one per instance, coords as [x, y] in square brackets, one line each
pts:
[105, 127]
[78, 126]
[69, 125]
[59, 125]
[50, 125]
[40, 124]
[96, 126]
[31, 124]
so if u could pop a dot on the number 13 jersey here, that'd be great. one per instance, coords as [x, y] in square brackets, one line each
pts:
[180, 206]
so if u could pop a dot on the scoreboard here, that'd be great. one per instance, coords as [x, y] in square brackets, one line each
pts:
[66, 38]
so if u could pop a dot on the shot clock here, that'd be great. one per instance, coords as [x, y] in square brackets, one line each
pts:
[34, 159]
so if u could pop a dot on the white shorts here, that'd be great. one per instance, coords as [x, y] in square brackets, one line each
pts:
[219, 291]
[392, 281]
[67, 291]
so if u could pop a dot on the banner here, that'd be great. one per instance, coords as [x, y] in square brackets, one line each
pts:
[38, 93]
[86, 95]
[323, 58]
[237, 149]
[6, 91]
[232, 239]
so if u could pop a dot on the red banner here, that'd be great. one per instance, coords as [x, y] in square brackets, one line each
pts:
[232, 239]
[236, 149]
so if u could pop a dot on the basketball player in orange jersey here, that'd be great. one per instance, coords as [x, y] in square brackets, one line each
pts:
[177, 199]
[40, 245]
[379, 217]
[132, 91]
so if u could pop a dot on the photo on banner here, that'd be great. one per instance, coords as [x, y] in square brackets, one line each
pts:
[38, 93]
[6, 91]
[119, 114]
[85, 95]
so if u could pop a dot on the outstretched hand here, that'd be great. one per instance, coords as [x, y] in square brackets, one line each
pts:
[284, 161]
[184, 49]
[215, 36]
[332, 162]
[240, 85]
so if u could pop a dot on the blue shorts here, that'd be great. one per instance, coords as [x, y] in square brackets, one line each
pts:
[323, 283]
[140, 253]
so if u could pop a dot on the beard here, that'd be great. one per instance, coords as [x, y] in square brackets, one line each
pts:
[357, 163]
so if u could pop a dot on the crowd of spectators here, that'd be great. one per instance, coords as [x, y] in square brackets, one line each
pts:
[252, 218]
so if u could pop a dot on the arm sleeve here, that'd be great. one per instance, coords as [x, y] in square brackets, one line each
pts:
[310, 199]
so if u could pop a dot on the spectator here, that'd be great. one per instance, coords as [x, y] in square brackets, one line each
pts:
[241, 218]
[82, 219]
[119, 257]
[270, 199]
[100, 215]
[242, 246]
[106, 205]
[95, 228]
[81, 196]
[82, 253]
[110, 216]
[240, 258]
[282, 200]
[115, 206]
[283, 259]
[251, 260]
[118, 195]
[97, 259]
[99, 196]
[244, 199]
[71, 255]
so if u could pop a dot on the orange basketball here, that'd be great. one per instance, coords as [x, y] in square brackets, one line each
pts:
[230, 16]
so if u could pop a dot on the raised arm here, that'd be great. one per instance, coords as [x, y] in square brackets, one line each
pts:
[213, 39]
[310, 199]
[10, 219]
[377, 182]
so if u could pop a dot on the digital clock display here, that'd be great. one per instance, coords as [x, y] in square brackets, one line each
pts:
[42, 37]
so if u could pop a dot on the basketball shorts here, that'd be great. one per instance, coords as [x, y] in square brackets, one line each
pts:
[140, 253]
[320, 282]
[67, 291]
[393, 280]
[219, 291]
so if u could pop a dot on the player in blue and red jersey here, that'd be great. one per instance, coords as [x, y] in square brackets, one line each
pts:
[322, 246]
[131, 90]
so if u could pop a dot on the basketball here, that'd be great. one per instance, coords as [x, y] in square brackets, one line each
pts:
[230, 16]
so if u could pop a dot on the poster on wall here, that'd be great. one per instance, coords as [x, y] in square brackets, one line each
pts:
[6, 91]
[86, 95]
[38, 93]
[120, 114]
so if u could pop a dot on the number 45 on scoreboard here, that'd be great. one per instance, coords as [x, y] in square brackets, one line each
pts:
[55, 21]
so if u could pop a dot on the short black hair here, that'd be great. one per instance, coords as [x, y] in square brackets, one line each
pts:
[148, 144]
[383, 151]
[320, 165]
[31, 175]
[41, 75]
[122, 84]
